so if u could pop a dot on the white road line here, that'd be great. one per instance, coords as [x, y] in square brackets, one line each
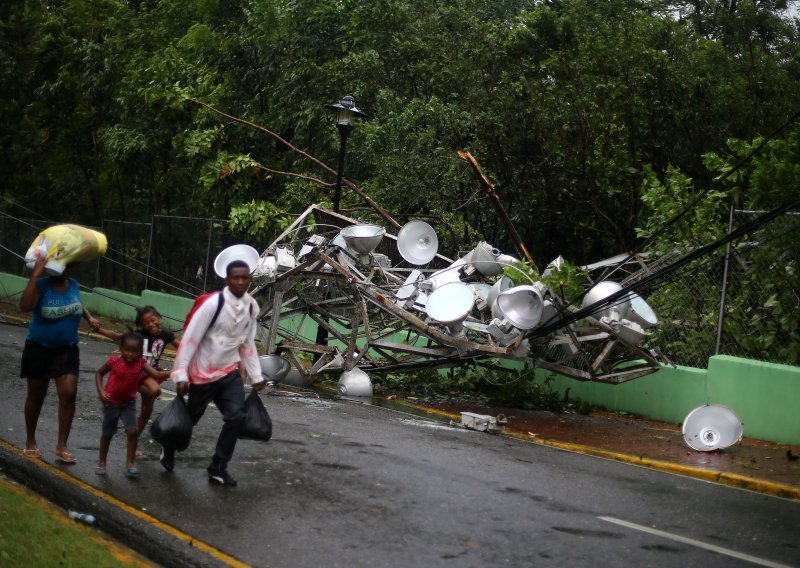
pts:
[697, 543]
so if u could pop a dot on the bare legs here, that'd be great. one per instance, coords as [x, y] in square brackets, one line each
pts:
[37, 389]
[67, 388]
[150, 392]
[105, 442]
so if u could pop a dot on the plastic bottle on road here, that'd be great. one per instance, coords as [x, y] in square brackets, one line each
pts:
[83, 517]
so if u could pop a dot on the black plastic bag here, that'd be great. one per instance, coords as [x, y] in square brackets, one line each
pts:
[173, 427]
[257, 423]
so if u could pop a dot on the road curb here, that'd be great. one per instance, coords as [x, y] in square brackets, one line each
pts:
[157, 541]
[715, 476]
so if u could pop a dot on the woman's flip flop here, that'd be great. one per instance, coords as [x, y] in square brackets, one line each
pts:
[132, 472]
[100, 470]
[34, 453]
[65, 457]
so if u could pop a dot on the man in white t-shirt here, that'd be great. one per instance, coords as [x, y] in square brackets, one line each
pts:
[207, 365]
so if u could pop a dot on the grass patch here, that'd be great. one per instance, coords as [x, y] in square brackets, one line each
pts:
[34, 532]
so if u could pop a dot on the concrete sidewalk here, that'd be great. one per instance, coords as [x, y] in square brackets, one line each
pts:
[752, 464]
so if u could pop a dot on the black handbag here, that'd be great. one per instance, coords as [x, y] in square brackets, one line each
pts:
[257, 423]
[173, 427]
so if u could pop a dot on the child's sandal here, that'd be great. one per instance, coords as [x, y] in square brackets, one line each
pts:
[100, 470]
[132, 472]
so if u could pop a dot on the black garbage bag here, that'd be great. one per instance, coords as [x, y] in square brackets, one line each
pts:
[257, 423]
[173, 427]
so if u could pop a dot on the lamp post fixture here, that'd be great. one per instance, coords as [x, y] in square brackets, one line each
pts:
[346, 110]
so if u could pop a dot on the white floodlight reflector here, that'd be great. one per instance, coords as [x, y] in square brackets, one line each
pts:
[274, 367]
[355, 383]
[712, 427]
[503, 283]
[603, 290]
[409, 287]
[363, 238]
[235, 252]
[521, 306]
[641, 312]
[417, 242]
[450, 303]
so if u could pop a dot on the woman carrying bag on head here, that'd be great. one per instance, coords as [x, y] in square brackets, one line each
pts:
[51, 352]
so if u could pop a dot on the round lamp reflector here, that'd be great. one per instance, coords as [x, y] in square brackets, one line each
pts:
[712, 427]
[502, 284]
[363, 238]
[522, 306]
[603, 290]
[236, 252]
[641, 312]
[417, 242]
[355, 383]
[274, 367]
[450, 303]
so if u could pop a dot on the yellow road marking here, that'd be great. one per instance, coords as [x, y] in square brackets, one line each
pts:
[726, 478]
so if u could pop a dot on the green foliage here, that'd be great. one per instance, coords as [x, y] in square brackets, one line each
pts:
[596, 121]
[259, 221]
[566, 280]
[513, 388]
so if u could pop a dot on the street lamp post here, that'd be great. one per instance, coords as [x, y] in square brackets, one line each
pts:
[346, 110]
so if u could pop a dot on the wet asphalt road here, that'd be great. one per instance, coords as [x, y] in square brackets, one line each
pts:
[349, 484]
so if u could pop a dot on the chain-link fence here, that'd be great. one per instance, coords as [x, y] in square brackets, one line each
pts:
[751, 288]
[170, 254]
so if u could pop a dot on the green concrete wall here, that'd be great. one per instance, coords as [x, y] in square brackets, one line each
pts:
[764, 396]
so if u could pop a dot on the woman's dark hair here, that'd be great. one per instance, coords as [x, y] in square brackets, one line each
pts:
[143, 311]
[131, 336]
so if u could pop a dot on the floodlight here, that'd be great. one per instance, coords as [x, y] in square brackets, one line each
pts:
[483, 259]
[601, 291]
[712, 427]
[355, 383]
[450, 304]
[274, 368]
[245, 253]
[265, 270]
[521, 306]
[417, 242]
[363, 239]
[507, 260]
[408, 292]
[503, 283]
[641, 312]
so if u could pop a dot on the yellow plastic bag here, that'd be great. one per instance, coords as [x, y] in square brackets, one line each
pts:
[65, 244]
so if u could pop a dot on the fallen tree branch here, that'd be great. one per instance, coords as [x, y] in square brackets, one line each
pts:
[378, 209]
